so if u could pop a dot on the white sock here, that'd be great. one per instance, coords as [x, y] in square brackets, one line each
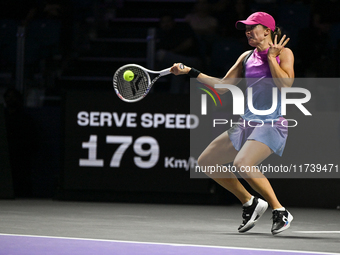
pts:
[280, 209]
[249, 203]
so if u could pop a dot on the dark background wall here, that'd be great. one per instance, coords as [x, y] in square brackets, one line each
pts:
[76, 46]
[5, 169]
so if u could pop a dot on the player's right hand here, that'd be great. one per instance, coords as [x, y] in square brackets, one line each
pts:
[179, 68]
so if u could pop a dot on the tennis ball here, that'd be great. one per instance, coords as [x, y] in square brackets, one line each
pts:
[128, 75]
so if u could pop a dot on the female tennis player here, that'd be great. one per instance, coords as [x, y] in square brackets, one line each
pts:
[245, 145]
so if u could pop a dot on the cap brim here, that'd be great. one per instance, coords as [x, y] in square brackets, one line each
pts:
[241, 24]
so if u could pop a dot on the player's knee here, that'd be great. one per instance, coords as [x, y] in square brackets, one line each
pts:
[241, 165]
[203, 160]
[246, 169]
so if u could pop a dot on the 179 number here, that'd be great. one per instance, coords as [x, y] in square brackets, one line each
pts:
[125, 141]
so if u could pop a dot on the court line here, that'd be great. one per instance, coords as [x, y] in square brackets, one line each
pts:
[170, 244]
[318, 232]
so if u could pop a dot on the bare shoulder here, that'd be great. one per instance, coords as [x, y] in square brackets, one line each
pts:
[286, 53]
[242, 56]
[236, 70]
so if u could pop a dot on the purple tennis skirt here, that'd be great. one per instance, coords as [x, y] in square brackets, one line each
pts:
[274, 135]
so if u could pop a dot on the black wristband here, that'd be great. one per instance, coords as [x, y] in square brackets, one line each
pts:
[194, 73]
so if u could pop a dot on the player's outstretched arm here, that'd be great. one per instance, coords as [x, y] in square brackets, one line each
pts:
[232, 77]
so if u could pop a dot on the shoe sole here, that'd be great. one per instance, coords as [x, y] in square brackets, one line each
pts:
[290, 219]
[258, 212]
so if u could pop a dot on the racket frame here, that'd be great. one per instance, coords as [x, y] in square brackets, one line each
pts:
[146, 71]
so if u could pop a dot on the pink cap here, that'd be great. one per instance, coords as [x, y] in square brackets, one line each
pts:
[257, 18]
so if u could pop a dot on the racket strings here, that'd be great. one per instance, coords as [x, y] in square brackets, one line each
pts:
[134, 89]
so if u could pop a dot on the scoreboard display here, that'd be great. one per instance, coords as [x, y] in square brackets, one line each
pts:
[113, 145]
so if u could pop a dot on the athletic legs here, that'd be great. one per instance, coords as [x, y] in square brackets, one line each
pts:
[221, 151]
[252, 154]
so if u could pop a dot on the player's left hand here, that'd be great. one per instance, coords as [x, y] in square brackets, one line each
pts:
[276, 48]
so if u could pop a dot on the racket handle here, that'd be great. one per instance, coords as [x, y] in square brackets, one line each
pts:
[165, 72]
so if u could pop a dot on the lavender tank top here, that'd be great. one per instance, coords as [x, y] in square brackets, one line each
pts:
[259, 78]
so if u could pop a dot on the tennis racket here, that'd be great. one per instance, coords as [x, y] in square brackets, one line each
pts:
[136, 89]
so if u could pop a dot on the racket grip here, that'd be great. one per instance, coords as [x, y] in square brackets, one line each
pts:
[165, 72]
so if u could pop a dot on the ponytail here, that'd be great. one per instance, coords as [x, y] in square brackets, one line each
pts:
[277, 32]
